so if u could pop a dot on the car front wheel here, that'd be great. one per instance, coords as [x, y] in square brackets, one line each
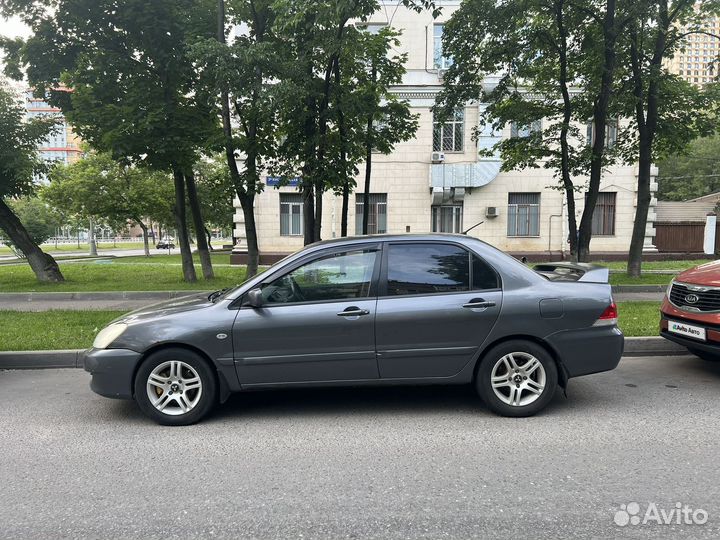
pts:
[517, 378]
[175, 387]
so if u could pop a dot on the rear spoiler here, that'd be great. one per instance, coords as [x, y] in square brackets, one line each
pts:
[570, 271]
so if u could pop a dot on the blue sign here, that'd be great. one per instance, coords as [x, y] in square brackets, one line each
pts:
[275, 181]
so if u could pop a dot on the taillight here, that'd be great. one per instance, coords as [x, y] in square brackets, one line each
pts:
[609, 317]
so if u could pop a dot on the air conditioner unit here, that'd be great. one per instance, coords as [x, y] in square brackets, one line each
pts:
[492, 211]
[438, 157]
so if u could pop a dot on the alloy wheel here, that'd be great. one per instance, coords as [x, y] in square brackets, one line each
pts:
[518, 379]
[174, 387]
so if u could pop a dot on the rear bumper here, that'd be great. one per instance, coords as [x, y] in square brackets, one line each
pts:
[112, 371]
[590, 350]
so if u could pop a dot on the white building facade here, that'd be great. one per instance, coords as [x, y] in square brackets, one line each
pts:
[437, 182]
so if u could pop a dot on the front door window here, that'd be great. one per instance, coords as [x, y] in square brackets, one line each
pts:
[339, 276]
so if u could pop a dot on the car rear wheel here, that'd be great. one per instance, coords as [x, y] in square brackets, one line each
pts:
[710, 357]
[517, 378]
[175, 387]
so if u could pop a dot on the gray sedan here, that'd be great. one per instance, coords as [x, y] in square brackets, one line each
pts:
[374, 310]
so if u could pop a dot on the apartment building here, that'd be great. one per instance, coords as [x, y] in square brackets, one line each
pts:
[62, 145]
[697, 60]
[437, 182]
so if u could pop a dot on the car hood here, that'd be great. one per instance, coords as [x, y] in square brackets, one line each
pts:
[706, 274]
[168, 307]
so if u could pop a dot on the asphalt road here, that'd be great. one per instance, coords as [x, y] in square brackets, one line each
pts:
[364, 463]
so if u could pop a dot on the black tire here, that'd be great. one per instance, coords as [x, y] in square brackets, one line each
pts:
[207, 390]
[525, 350]
[708, 356]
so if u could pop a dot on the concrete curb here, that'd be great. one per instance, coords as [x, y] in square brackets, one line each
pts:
[64, 358]
[72, 358]
[99, 295]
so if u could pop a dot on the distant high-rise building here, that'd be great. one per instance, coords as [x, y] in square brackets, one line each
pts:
[62, 145]
[697, 61]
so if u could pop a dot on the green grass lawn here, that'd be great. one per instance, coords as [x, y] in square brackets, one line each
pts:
[645, 279]
[103, 246]
[30, 331]
[158, 257]
[61, 329]
[144, 274]
[655, 265]
[639, 318]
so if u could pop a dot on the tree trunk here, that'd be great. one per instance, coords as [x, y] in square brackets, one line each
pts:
[199, 226]
[368, 172]
[181, 224]
[318, 212]
[146, 242]
[91, 240]
[208, 234]
[568, 184]
[159, 234]
[647, 128]
[634, 266]
[343, 153]
[42, 264]
[344, 211]
[600, 116]
[247, 203]
[244, 193]
[308, 198]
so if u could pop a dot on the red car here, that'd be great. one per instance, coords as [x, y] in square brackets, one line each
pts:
[691, 311]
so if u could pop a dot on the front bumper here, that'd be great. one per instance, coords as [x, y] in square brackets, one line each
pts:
[588, 350]
[112, 371]
[712, 333]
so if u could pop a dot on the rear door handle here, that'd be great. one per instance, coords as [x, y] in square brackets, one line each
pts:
[479, 303]
[353, 312]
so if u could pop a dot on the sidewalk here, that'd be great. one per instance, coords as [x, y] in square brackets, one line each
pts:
[82, 301]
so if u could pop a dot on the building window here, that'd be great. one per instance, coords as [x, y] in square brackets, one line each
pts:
[374, 28]
[439, 60]
[291, 214]
[603, 220]
[377, 215]
[448, 135]
[611, 130]
[447, 219]
[519, 130]
[523, 214]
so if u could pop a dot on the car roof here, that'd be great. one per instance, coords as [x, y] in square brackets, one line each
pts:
[393, 237]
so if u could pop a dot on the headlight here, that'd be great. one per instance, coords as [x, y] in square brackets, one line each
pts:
[669, 288]
[109, 334]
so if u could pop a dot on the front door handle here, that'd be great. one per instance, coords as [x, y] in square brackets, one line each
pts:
[353, 312]
[479, 303]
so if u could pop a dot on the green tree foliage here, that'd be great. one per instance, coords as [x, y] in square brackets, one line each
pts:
[101, 188]
[19, 163]
[315, 35]
[40, 221]
[242, 75]
[667, 112]
[555, 60]
[691, 174]
[135, 91]
[216, 193]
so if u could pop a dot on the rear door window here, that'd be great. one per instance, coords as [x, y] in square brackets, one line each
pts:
[427, 269]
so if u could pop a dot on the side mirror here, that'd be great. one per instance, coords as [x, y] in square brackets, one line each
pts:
[255, 298]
